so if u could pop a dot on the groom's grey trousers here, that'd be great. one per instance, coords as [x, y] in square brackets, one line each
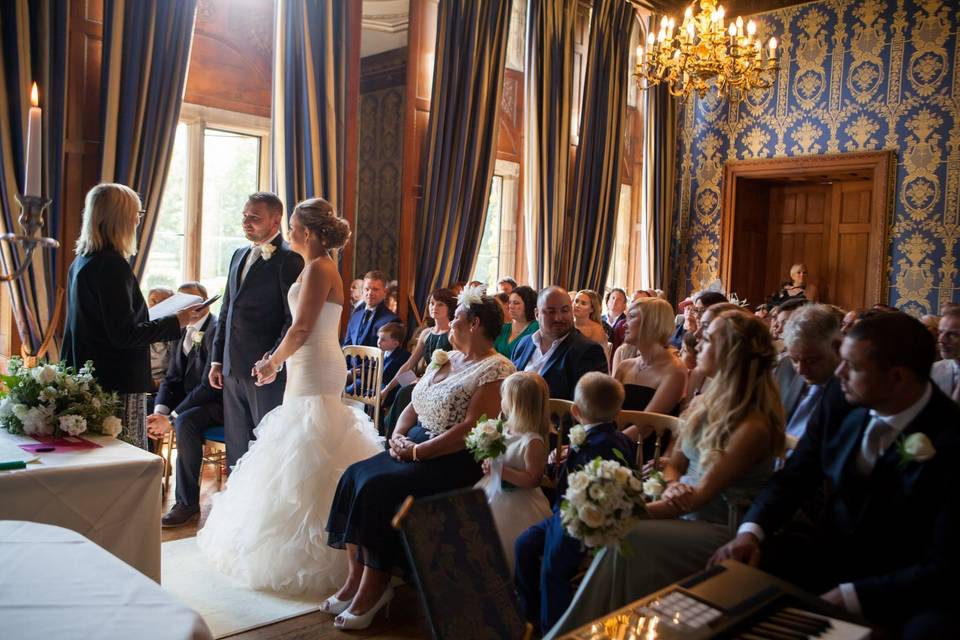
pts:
[244, 405]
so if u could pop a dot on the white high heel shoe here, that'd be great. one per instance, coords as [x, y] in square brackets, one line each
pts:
[334, 606]
[347, 620]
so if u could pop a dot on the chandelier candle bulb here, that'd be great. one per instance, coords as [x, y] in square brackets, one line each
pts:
[751, 28]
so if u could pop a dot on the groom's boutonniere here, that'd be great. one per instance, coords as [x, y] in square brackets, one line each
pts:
[197, 339]
[915, 448]
[439, 358]
[578, 435]
[266, 250]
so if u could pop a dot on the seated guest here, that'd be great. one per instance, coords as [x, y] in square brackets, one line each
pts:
[692, 315]
[946, 372]
[655, 380]
[884, 544]
[729, 439]
[525, 405]
[371, 314]
[356, 292]
[688, 352]
[796, 287]
[586, 316]
[504, 300]
[506, 285]
[780, 316]
[389, 340]
[521, 319]
[393, 294]
[547, 558]
[440, 308]
[557, 351]
[186, 402]
[615, 319]
[696, 381]
[812, 339]
[159, 351]
[426, 456]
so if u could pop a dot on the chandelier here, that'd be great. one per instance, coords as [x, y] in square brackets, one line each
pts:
[703, 53]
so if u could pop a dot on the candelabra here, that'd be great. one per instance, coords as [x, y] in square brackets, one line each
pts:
[702, 53]
[31, 222]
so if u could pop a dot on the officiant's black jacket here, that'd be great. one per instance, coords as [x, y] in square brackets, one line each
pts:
[188, 372]
[107, 322]
[895, 532]
[574, 357]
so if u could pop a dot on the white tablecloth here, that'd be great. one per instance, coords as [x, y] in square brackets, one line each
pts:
[111, 495]
[57, 584]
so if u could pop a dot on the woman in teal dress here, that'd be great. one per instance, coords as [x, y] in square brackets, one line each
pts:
[521, 310]
[730, 437]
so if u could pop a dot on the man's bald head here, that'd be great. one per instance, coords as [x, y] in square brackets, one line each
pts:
[554, 312]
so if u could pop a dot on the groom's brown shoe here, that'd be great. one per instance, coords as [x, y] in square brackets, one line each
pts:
[178, 516]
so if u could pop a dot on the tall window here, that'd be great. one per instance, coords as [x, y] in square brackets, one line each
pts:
[219, 158]
[497, 255]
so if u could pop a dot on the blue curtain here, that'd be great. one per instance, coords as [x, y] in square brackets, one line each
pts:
[461, 139]
[309, 95]
[588, 237]
[33, 42]
[146, 51]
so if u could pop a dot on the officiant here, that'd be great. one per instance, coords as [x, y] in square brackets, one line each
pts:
[107, 319]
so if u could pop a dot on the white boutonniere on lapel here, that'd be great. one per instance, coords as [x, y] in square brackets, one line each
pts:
[197, 340]
[915, 448]
[439, 358]
[578, 435]
[266, 250]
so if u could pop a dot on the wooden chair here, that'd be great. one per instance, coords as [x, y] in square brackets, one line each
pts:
[367, 377]
[165, 450]
[459, 567]
[215, 451]
[561, 417]
[647, 422]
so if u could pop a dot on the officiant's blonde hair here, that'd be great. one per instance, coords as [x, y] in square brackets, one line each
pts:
[110, 216]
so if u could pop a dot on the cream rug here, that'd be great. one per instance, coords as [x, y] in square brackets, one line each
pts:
[227, 606]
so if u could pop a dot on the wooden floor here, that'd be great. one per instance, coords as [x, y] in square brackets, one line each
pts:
[407, 619]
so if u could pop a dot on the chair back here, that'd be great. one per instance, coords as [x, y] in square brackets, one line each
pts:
[367, 364]
[646, 423]
[561, 419]
[458, 563]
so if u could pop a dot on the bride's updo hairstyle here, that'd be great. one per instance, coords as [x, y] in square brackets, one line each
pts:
[484, 308]
[317, 215]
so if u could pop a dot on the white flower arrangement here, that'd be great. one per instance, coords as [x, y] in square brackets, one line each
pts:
[54, 400]
[916, 448]
[198, 338]
[486, 439]
[603, 501]
[267, 249]
[654, 486]
[578, 435]
[471, 295]
[439, 358]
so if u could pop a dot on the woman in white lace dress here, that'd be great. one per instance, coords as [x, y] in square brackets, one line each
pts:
[426, 457]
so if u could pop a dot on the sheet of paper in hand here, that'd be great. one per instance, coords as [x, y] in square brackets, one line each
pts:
[173, 304]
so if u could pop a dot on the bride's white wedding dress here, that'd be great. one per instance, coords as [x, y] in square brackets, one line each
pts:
[267, 527]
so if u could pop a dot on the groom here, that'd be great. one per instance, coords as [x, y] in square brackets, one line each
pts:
[253, 319]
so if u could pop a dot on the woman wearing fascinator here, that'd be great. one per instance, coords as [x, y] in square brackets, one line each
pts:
[426, 456]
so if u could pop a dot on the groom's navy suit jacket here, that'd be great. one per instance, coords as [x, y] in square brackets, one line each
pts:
[574, 357]
[366, 336]
[894, 533]
[255, 314]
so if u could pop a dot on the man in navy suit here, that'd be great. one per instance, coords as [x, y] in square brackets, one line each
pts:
[187, 402]
[371, 314]
[253, 320]
[884, 545]
[558, 351]
[547, 558]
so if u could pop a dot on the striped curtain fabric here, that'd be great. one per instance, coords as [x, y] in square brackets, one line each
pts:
[309, 94]
[588, 238]
[146, 51]
[461, 139]
[548, 90]
[33, 43]
[659, 178]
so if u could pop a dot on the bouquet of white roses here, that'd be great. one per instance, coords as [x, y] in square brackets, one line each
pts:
[603, 501]
[486, 440]
[54, 400]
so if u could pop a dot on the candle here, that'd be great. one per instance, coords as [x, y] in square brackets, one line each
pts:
[32, 178]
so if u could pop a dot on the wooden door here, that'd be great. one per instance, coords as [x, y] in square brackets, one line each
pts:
[853, 237]
[800, 223]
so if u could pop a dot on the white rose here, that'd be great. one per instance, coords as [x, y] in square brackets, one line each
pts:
[590, 515]
[622, 475]
[73, 424]
[578, 435]
[112, 426]
[266, 250]
[47, 394]
[37, 422]
[20, 410]
[439, 358]
[653, 487]
[45, 374]
[576, 497]
[597, 493]
[918, 447]
[198, 336]
[6, 408]
[578, 481]
[489, 429]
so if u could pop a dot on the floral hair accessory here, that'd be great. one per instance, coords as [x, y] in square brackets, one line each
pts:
[470, 296]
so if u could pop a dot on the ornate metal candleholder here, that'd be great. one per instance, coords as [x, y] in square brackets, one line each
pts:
[31, 222]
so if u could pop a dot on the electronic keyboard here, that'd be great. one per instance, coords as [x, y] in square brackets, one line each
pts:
[729, 600]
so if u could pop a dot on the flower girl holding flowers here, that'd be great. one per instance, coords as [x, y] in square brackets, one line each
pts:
[515, 496]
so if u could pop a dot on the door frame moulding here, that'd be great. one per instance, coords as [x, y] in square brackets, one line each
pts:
[882, 166]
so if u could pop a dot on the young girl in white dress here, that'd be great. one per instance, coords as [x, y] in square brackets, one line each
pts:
[520, 504]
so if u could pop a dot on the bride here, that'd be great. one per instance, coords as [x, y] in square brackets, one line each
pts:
[267, 527]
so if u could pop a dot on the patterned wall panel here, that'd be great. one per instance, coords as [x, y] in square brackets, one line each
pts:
[856, 75]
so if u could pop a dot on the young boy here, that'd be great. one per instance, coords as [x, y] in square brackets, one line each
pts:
[544, 586]
[389, 338]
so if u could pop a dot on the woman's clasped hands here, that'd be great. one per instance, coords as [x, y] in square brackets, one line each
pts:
[401, 448]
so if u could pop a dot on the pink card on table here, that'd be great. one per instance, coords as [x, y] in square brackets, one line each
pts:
[63, 445]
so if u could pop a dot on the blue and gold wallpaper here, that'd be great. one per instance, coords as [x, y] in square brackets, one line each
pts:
[855, 76]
